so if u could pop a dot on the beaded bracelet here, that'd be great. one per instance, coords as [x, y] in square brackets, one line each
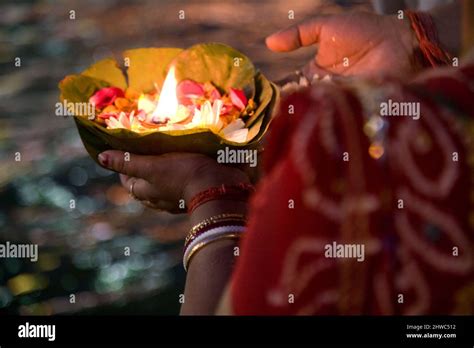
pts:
[210, 236]
[239, 192]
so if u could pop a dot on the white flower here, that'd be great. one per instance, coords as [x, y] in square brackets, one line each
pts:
[235, 131]
[208, 116]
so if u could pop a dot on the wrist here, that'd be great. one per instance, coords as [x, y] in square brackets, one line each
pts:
[212, 222]
[208, 179]
[217, 203]
[406, 33]
[217, 207]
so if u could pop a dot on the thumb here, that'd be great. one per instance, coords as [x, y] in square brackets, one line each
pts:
[126, 163]
[303, 34]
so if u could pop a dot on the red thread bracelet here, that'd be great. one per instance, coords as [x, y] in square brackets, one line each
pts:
[425, 30]
[239, 192]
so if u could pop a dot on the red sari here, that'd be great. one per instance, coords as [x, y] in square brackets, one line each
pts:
[402, 188]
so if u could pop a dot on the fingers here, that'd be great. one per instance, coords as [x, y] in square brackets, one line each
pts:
[126, 163]
[296, 36]
[146, 194]
[312, 68]
[167, 166]
[165, 176]
[171, 177]
[138, 188]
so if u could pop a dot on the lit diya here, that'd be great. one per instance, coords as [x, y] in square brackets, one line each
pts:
[170, 100]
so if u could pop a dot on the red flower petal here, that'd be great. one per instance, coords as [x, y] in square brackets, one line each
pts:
[105, 96]
[188, 90]
[215, 94]
[238, 98]
[211, 92]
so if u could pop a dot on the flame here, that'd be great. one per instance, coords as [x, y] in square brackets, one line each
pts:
[168, 104]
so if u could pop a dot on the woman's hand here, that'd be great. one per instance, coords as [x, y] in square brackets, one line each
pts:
[356, 43]
[164, 181]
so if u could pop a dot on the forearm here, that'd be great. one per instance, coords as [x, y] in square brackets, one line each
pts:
[211, 267]
[207, 277]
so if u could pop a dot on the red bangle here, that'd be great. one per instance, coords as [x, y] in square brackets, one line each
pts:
[239, 192]
[430, 52]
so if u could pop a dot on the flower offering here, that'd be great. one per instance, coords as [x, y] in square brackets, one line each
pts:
[167, 100]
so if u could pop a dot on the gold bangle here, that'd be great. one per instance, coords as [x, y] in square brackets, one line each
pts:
[218, 218]
[212, 220]
[202, 244]
[193, 234]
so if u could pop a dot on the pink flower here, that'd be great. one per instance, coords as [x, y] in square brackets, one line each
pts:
[214, 94]
[188, 90]
[238, 98]
[119, 121]
[105, 96]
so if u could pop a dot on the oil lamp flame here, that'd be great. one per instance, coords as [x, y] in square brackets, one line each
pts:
[168, 104]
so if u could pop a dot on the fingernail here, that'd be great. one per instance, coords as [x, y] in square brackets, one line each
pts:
[103, 159]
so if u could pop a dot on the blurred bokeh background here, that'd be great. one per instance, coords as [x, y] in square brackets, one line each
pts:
[82, 249]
